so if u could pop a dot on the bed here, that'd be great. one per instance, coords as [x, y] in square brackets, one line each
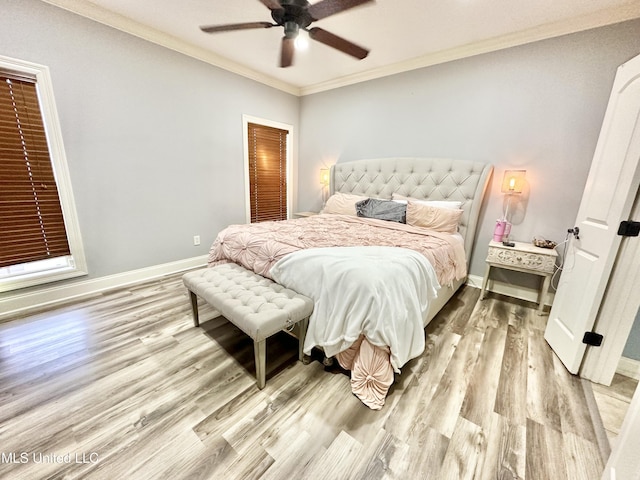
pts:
[376, 279]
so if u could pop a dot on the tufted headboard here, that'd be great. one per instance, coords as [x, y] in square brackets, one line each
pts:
[423, 178]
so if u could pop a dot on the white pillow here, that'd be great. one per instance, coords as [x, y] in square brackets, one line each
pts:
[452, 204]
[343, 203]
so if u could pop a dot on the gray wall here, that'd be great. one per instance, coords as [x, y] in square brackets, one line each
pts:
[153, 138]
[632, 348]
[537, 107]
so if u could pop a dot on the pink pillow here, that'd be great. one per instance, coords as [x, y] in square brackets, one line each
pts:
[343, 203]
[445, 220]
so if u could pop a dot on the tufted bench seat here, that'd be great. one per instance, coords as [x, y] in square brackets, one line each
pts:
[255, 304]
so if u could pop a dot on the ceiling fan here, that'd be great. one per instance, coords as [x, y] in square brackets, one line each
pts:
[294, 15]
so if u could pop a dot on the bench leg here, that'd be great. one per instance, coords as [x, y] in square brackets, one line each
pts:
[302, 333]
[194, 308]
[260, 353]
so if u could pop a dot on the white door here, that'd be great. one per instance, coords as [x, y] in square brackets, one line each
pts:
[618, 310]
[608, 197]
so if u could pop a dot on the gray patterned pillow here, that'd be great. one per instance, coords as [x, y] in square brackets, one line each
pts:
[382, 210]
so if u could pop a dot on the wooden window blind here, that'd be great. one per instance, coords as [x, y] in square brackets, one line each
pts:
[267, 173]
[31, 222]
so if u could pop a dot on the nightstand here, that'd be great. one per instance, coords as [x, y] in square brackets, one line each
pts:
[523, 257]
[304, 214]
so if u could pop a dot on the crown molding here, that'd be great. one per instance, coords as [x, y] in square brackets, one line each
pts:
[600, 18]
[106, 17]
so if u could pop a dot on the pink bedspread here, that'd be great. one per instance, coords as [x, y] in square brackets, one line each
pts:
[259, 246]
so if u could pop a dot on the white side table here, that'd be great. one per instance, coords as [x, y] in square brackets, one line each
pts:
[523, 257]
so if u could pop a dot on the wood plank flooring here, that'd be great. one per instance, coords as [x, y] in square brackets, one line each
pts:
[123, 386]
[613, 402]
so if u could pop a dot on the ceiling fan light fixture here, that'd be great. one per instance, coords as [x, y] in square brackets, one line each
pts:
[302, 42]
[291, 29]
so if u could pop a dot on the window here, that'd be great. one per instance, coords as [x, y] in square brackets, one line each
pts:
[267, 154]
[38, 243]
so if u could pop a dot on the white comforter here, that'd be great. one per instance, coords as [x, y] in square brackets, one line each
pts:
[380, 292]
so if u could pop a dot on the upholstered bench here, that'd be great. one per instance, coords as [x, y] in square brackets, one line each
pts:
[255, 304]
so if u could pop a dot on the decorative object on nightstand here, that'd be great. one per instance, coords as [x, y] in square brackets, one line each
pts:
[512, 184]
[544, 243]
[324, 181]
[522, 257]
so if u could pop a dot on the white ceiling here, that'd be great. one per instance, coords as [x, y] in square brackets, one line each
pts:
[401, 34]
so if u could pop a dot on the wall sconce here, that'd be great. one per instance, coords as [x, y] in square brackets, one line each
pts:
[512, 184]
[324, 177]
[513, 181]
[324, 181]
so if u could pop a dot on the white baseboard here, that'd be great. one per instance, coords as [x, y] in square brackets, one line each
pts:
[474, 281]
[515, 291]
[18, 303]
[629, 368]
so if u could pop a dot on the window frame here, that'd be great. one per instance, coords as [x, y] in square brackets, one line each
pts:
[75, 264]
[246, 120]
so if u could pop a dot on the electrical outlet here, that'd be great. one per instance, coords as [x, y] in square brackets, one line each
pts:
[196, 239]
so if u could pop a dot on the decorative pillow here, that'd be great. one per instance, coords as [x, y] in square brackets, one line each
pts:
[342, 203]
[452, 204]
[445, 220]
[382, 210]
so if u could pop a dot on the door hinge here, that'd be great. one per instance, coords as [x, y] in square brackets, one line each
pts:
[629, 228]
[592, 338]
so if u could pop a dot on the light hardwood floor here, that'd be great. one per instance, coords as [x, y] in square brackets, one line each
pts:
[122, 386]
[613, 402]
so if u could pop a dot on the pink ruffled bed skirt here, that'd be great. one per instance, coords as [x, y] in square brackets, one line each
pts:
[371, 371]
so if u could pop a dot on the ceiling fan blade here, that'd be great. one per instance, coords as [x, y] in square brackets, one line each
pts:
[324, 8]
[236, 26]
[338, 43]
[286, 53]
[272, 4]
